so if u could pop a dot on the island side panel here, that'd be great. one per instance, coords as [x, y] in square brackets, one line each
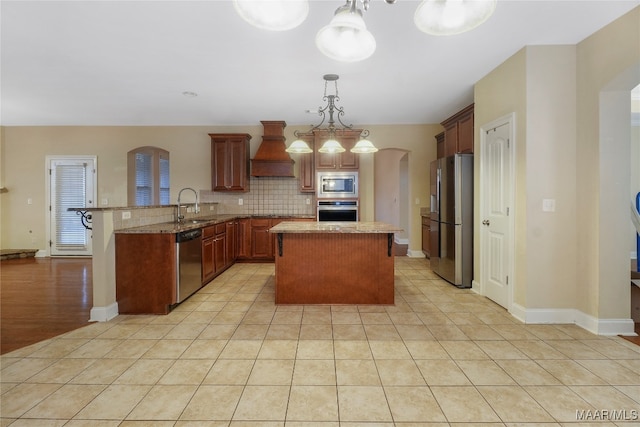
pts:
[145, 273]
[334, 268]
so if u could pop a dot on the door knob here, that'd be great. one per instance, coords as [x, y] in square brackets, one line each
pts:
[486, 222]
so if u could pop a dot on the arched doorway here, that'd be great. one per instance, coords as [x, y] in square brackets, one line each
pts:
[391, 195]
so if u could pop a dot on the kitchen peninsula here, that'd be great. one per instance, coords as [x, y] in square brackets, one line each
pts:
[334, 262]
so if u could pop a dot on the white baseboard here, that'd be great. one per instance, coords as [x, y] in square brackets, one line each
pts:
[41, 253]
[103, 314]
[476, 287]
[573, 316]
[400, 241]
[415, 254]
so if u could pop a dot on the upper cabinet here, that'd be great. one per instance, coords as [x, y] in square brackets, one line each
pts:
[458, 133]
[338, 161]
[307, 166]
[230, 161]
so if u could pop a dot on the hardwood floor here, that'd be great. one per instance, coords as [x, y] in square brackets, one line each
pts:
[41, 298]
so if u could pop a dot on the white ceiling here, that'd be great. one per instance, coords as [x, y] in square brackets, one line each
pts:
[128, 62]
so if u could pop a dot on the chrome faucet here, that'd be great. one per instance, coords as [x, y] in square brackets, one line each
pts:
[197, 209]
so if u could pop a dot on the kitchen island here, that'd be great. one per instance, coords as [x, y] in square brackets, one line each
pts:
[334, 262]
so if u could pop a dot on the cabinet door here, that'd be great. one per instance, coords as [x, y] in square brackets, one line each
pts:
[465, 134]
[451, 139]
[349, 160]
[260, 239]
[244, 238]
[220, 252]
[345, 160]
[237, 164]
[440, 145]
[230, 242]
[308, 167]
[208, 260]
[230, 162]
[219, 165]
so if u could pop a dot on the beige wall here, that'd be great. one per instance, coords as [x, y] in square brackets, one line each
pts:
[576, 257]
[607, 63]
[501, 92]
[23, 152]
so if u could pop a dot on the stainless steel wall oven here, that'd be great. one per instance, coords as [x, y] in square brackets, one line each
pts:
[337, 210]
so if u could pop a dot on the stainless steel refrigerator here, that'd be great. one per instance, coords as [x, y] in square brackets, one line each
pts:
[452, 219]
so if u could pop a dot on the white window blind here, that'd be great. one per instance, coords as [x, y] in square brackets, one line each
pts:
[70, 189]
[164, 180]
[148, 176]
[144, 179]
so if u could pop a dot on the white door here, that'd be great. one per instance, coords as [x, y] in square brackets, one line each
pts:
[72, 184]
[496, 231]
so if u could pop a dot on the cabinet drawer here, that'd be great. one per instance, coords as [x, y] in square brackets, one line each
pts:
[208, 231]
[260, 222]
[221, 228]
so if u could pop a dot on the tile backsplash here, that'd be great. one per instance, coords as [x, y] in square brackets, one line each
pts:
[268, 196]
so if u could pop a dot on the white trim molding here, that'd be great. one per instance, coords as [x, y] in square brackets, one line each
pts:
[415, 254]
[573, 316]
[103, 314]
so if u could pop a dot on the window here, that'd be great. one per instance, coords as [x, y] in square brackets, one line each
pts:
[148, 173]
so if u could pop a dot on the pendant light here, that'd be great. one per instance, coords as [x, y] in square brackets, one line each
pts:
[449, 17]
[274, 15]
[346, 38]
[331, 145]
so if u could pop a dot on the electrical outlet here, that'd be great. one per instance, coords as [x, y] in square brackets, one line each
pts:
[105, 202]
[308, 201]
[211, 207]
[548, 205]
[29, 201]
[241, 202]
[126, 215]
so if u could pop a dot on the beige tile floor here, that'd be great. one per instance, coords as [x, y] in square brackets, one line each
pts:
[229, 356]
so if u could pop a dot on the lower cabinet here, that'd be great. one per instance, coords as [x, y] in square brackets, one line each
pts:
[426, 236]
[214, 251]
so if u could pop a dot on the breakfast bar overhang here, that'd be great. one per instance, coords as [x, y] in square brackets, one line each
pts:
[334, 262]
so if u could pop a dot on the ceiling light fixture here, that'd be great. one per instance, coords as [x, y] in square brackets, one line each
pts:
[274, 15]
[332, 145]
[449, 17]
[346, 38]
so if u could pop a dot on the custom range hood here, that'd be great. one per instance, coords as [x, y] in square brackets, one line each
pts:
[271, 159]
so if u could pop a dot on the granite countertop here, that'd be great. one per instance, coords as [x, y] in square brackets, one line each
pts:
[334, 227]
[190, 224]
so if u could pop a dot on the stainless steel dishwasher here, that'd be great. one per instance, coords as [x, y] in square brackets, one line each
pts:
[189, 260]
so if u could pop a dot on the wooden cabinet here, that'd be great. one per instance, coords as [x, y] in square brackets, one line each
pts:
[307, 170]
[458, 133]
[230, 161]
[426, 236]
[231, 242]
[440, 145]
[244, 238]
[214, 251]
[338, 161]
[145, 272]
[261, 239]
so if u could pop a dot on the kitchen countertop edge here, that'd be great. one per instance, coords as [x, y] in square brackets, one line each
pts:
[172, 227]
[334, 227]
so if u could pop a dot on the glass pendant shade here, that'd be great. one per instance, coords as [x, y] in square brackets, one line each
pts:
[346, 38]
[299, 147]
[449, 17]
[364, 146]
[274, 15]
[331, 146]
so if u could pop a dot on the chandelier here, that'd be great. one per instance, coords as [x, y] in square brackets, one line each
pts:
[346, 37]
[331, 145]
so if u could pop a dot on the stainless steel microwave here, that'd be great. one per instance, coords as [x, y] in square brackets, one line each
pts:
[337, 185]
